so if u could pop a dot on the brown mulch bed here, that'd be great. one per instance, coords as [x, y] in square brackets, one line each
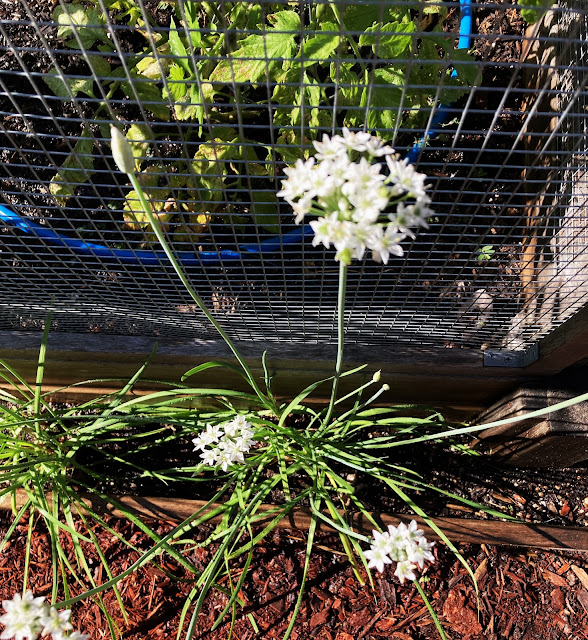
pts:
[527, 595]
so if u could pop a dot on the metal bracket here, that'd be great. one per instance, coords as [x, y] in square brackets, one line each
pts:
[507, 358]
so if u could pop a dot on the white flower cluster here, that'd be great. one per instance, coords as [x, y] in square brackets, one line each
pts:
[222, 445]
[407, 546]
[28, 617]
[353, 198]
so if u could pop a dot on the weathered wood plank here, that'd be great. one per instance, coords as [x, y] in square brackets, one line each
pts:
[458, 530]
[565, 346]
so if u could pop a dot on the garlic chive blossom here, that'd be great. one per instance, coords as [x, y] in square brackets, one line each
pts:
[28, 617]
[360, 204]
[226, 444]
[406, 546]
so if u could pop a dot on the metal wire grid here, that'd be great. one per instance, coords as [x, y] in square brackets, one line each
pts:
[460, 283]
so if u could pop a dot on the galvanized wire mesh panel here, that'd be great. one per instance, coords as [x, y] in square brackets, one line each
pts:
[218, 98]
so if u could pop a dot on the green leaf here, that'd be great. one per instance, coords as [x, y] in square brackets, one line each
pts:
[74, 18]
[533, 9]
[289, 145]
[176, 84]
[253, 16]
[76, 169]
[153, 68]
[196, 38]
[468, 70]
[186, 96]
[178, 49]
[71, 87]
[119, 73]
[138, 136]
[215, 151]
[192, 108]
[191, 13]
[317, 118]
[150, 178]
[211, 364]
[209, 166]
[285, 21]
[320, 46]
[100, 66]
[358, 17]
[136, 217]
[247, 156]
[285, 93]
[384, 99]
[260, 55]
[391, 40]
[435, 8]
[350, 86]
[133, 212]
[149, 95]
[264, 210]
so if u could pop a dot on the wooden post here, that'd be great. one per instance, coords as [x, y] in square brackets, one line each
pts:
[555, 237]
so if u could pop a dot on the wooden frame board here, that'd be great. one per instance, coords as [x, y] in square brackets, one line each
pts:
[454, 379]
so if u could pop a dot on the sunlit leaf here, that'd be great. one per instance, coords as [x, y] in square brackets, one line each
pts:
[86, 23]
[138, 136]
[260, 55]
[391, 40]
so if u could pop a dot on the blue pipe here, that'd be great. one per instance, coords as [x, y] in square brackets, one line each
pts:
[271, 245]
[465, 24]
[142, 256]
[443, 112]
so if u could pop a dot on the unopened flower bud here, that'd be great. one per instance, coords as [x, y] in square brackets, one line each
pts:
[385, 387]
[376, 377]
[121, 151]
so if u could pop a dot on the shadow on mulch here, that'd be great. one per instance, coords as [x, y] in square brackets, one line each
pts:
[523, 595]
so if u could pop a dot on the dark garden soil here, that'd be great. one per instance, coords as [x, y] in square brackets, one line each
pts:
[539, 496]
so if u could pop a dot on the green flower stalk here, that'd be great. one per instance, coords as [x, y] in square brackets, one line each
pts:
[358, 205]
[123, 156]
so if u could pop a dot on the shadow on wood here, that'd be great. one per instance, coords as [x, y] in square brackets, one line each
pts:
[558, 439]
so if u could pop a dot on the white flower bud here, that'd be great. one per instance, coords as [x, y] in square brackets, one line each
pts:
[121, 151]
[385, 387]
[376, 377]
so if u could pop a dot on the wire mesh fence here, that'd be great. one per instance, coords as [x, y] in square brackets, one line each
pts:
[218, 98]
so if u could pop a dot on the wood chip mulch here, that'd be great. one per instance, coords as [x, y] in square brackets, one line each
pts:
[524, 595]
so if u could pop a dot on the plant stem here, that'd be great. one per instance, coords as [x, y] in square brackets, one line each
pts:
[350, 40]
[197, 299]
[340, 339]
